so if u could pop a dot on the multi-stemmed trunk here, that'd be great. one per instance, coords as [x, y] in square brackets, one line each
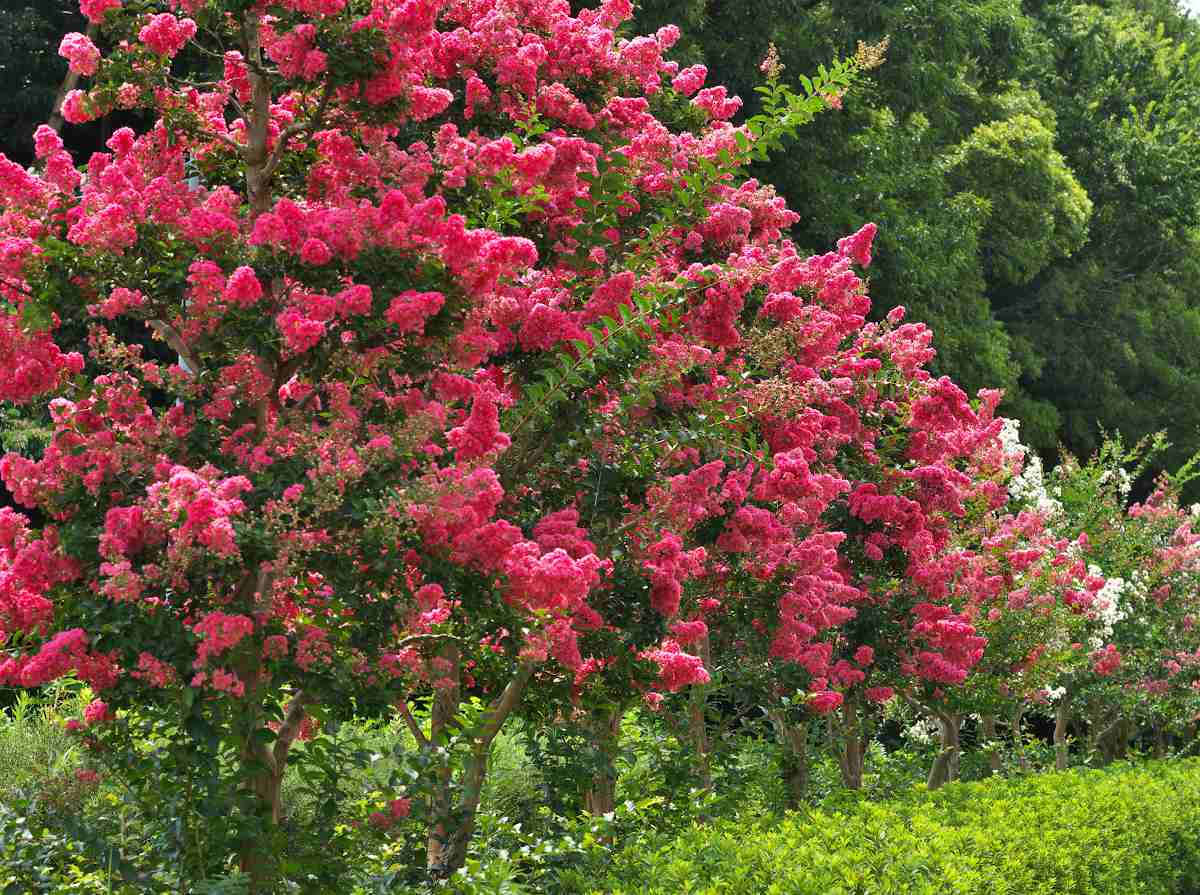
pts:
[793, 737]
[604, 731]
[851, 753]
[987, 727]
[1160, 739]
[451, 826]
[263, 768]
[442, 715]
[1062, 720]
[1108, 738]
[1019, 738]
[698, 723]
[945, 765]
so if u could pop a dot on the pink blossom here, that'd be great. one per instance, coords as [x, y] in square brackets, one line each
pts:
[97, 712]
[858, 248]
[716, 103]
[165, 34]
[220, 632]
[825, 702]
[676, 668]
[410, 310]
[155, 672]
[426, 102]
[228, 682]
[243, 288]
[83, 55]
[95, 10]
[690, 79]
[77, 108]
[118, 302]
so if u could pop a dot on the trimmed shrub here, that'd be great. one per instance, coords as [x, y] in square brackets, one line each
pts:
[1112, 832]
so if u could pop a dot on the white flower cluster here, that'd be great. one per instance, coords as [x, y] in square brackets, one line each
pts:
[1030, 485]
[1124, 480]
[923, 731]
[1108, 610]
[1010, 437]
[1054, 694]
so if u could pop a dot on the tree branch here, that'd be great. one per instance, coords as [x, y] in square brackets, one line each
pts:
[295, 129]
[411, 723]
[293, 721]
[500, 709]
[171, 336]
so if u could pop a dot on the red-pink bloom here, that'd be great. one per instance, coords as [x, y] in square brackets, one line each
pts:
[155, 672]
[82, 55]
[94, 10]
[1105, 661]
[825, 702]
[77, 108]
[690, 79]
[118, 302]
[716, 102]
[409, 310]
[165, 34]
[97, 712]
[243, 288]
[228, 682]
[676, 669]
[220, 633]
[858, 246]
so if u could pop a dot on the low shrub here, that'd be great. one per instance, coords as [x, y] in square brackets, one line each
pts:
[1121, 830]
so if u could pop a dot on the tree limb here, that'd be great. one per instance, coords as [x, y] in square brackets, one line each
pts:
[293, 721]
[172, 337]
[413, 727]
[295, 129]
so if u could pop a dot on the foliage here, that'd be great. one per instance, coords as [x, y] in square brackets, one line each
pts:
[1122, 830]
[1032, 167]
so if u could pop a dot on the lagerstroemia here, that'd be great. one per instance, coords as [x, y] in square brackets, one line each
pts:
[423, 347]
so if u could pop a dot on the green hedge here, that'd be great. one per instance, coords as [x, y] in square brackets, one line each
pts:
[1122, 831]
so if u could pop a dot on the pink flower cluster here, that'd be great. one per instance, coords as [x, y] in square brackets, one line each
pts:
[165, 34]
[219, 633]
[676, 669]
[82, 55]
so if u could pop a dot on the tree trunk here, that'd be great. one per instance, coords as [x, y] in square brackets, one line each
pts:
[698, 731]
[255, 853]
[987, 726]
[794, 739]
[1121, 737]
[262, 770]
[256, 154]
[604, 729]
[945, 765]
[698, 723]
[452, 828]
[1160, 740]
[441, 807]
[1062, 718]
[1019, 738]
[852, 753]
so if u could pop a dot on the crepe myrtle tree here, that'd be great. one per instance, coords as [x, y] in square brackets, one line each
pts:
[342, 302]
[1137, 651]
